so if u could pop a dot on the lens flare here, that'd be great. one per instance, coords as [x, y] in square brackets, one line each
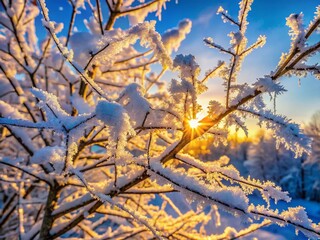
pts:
[194, 123]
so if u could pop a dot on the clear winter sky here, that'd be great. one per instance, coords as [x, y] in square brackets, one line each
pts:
[267, 17]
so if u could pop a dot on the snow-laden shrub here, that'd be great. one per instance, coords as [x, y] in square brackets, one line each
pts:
[92, 137]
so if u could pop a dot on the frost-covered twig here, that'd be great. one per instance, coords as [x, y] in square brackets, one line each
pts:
[210, 43]
[232, 234]
[24, 123]
[213, 72]
[71, 22]
[131, 67]
[28, 171]
[93, 55]
[100, 16]
[105, 198]
[66, 53]
[15, 31]
[294, 216]
[267, 189]
[226, 16]
[295, 50]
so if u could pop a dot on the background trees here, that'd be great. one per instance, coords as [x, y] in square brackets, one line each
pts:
[312, 165]
[299, 176]
[93, 139]
[267, 161]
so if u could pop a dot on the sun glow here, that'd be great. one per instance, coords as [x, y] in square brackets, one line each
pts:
[194, 123]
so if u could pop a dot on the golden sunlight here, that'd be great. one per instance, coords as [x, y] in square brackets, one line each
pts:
[194, 123]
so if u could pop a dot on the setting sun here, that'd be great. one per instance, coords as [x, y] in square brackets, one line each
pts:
[194, 123]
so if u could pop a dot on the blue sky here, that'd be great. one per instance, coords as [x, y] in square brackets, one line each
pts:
[266, 18]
